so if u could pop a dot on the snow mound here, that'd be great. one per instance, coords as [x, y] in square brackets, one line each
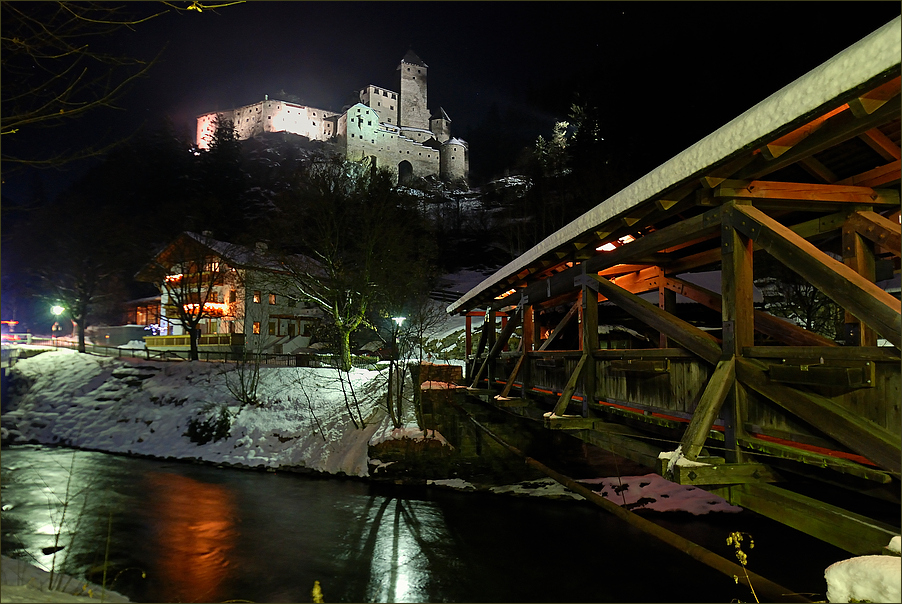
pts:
[865, 579]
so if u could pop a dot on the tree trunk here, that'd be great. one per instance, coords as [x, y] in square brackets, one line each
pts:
[193, 337]
[80, 328]
[344, 343]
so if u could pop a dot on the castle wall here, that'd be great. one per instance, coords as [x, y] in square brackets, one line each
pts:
[269, 116]
[387, 126]
[383, 101]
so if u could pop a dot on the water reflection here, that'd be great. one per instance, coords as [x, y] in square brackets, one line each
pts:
[194, 534]
[403, 547]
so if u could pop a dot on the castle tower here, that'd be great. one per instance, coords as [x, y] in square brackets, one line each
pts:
[412, 111]
[441, 126]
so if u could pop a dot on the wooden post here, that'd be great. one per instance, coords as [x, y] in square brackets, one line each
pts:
[492, 337]
[666, 301]
[469, 336]
[858, 254]
[737, 314]
[529, 340]
[589, 344]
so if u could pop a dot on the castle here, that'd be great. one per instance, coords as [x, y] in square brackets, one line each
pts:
[392, 128]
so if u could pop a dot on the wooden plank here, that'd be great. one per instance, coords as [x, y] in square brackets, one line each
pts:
[818, 460]
[682, 332]
[858, 255]
[857, 433]
[778, 147]
[841, 284]
[657, 367]
[728, 473]
[621, 440]
[852, 532]
[816, 168]
[880, 230]
[589, 343]
[861, 376]
[716, 391]
[840, 353]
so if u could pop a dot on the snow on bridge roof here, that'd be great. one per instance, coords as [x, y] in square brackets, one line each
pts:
[858, 69]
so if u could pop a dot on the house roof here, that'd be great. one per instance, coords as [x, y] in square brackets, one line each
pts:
[837, 125]
[238, 256]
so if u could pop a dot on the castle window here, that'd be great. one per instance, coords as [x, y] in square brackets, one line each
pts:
[391, 107]
[393, 97]
[384, 93]
[256, 328]
[269, 117]
[369, 123]
[314, 123]
[272, 298]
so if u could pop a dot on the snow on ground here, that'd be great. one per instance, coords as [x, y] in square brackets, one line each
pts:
[144, 407]
[23, 582]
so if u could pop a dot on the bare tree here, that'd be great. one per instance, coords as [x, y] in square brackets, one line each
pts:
[54, 69]
[355, 236]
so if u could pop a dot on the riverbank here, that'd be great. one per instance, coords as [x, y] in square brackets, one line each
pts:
[305, 420]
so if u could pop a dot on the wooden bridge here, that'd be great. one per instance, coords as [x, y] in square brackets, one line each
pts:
[638, 328]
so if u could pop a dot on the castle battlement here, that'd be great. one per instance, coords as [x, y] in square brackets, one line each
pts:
[392, 129]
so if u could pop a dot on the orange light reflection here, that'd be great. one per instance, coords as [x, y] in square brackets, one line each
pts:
[195, 536]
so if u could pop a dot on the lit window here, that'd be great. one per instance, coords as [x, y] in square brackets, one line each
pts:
[256, 327]
[272, 298]
[256, 297]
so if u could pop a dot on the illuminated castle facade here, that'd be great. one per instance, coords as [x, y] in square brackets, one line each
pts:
[392, 128]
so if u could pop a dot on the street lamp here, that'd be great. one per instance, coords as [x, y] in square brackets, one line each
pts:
[57, 309]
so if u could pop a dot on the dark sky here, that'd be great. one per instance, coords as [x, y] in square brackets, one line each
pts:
[670, 72]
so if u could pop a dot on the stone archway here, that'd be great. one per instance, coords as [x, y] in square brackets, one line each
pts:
[405, 172]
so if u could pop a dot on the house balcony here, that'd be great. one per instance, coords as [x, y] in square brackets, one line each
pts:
[225, 342]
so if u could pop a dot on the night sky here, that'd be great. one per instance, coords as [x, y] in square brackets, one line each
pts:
[669, 73]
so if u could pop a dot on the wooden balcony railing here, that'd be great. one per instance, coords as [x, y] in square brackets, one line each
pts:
[216, 339]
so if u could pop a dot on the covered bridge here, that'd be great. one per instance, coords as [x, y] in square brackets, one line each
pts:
[808, 179]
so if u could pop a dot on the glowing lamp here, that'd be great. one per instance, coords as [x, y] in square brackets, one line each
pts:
[57, 309]
[398, 320]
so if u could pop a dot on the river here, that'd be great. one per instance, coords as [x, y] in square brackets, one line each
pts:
[202, 533]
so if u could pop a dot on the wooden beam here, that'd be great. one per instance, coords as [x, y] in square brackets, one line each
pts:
[838, 129]
[851, 430]
[880, 230]
[780, 329]
[560, 407]
[841, 284]
[727, 473]
[513, 375]
[503, 337]
[881, 143]
[852, 532]
[589, 344]
[561, 325]
[858, 255]
[872, 100]
[716, 391]
[791, 191]
[876, 177]
[778, 147]
[816, 168]
[687, 335]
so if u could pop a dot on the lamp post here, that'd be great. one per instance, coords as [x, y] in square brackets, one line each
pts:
[393, 355]
[56, 310]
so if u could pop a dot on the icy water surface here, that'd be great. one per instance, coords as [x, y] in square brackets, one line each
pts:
[209, 534]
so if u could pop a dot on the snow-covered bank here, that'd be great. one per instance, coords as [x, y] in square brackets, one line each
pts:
[149, 408]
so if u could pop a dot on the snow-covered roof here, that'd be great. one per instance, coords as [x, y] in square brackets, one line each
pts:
[840, 79]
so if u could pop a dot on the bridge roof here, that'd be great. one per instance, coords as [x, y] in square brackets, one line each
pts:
[836, 126]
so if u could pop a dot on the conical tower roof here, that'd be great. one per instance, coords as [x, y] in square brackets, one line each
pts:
[412, 58]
